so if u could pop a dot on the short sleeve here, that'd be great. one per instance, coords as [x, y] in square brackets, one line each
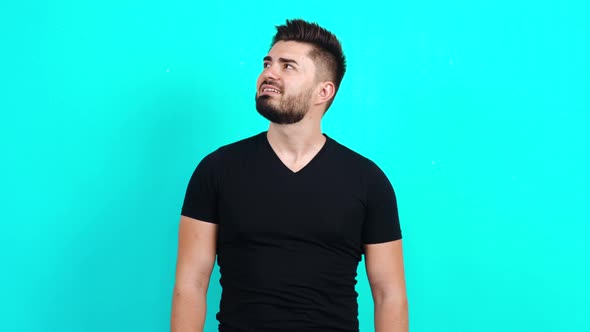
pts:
[381, 217]
[200, 200]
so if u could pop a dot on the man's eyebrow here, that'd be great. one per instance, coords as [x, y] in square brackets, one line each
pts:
[282, 60]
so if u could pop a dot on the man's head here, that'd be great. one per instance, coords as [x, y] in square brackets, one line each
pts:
[303, 69]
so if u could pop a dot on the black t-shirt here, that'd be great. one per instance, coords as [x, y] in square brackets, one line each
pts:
[289, 243]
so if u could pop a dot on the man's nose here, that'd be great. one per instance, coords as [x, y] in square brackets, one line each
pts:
[271, 73]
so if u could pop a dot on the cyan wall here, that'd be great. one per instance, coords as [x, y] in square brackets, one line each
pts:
[477, 112]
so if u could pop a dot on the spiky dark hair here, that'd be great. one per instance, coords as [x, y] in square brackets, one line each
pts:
[326, 53]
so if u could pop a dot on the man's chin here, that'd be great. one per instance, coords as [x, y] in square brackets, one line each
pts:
[277, 117]
[267, 108]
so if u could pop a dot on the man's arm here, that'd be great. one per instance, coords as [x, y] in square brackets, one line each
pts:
[385, 271]
[197, 241]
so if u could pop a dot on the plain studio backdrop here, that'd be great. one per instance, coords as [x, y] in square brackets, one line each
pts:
[476, 111]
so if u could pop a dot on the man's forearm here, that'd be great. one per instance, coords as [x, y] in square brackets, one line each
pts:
[189, 307]
[391, 315]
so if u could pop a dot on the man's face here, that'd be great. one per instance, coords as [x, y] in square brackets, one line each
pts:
[286, 83]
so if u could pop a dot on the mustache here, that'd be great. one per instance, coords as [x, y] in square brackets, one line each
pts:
[273, 83]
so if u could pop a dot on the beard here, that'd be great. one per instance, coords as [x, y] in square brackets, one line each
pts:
[290, 110]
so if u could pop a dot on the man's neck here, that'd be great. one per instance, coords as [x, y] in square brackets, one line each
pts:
[298, 141]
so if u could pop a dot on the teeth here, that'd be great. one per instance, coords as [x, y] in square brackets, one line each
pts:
[271, 90]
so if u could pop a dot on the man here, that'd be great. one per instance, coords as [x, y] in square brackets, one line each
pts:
[289, 212]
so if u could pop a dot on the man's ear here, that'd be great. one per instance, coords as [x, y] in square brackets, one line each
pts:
[326, 92]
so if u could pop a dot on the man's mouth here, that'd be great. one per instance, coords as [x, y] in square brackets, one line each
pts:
[269, 89]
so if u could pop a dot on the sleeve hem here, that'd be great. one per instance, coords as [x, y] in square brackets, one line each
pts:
[207, 220]
[394, 238]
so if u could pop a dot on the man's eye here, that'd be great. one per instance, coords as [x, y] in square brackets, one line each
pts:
[266, 65]
[288, 66]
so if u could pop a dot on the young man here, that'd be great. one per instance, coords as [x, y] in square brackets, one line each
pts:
[289, 212]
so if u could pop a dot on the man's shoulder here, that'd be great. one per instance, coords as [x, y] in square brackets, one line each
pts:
[234, 149]
[240, 145]
[350, 157]
[350, 162]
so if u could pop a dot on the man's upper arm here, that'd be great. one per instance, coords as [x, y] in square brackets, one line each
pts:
[197, 243]
[385, 270]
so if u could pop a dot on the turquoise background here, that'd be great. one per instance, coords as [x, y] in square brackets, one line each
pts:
[477, 112]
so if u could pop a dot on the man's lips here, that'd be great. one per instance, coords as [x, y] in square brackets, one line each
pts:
[269, 89]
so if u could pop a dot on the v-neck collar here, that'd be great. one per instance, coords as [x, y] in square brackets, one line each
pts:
[282, 165]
